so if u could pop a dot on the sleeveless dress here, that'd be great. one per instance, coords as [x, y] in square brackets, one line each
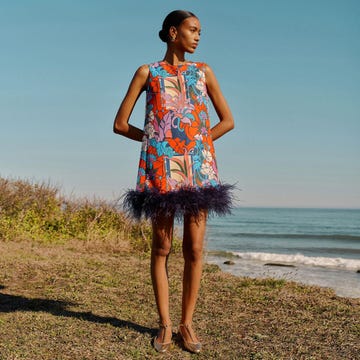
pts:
[177, 174]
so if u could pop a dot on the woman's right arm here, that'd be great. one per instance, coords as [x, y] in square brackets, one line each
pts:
[136, 87]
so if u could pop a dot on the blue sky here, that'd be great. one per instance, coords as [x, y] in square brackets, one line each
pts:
[290, 71]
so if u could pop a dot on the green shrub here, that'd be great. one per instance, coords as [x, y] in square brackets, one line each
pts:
[38, 211]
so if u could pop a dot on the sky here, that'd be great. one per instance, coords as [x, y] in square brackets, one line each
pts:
[290, 71]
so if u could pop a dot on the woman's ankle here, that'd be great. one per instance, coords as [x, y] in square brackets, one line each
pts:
[165, 323]
[186, 321]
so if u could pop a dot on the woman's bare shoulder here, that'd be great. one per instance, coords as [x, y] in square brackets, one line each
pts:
[207, 68]
[142, 71]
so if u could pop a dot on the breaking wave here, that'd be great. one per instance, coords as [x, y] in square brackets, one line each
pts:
[299, 259]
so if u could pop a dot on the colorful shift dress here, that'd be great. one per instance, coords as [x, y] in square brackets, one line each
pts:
[178, 173]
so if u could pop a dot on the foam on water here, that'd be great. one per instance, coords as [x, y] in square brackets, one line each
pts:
[335, 263]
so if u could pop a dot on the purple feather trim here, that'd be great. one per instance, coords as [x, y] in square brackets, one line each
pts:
[186, 201]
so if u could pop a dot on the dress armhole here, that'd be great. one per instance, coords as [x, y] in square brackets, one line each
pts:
[148, 79]
[203, 66]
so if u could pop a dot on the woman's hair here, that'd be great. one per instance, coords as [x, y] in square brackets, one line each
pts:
[175, 18]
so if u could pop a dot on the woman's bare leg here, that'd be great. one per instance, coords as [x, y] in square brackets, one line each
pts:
[193, 242]
[161, 246]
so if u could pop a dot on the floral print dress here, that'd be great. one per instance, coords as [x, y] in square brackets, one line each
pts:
[178, 173]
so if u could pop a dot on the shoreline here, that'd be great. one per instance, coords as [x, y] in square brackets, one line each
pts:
[345, 283]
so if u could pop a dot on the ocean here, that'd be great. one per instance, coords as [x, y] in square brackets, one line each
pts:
[309, 246]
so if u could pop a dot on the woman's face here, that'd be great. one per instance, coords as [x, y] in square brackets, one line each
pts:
[188, 35]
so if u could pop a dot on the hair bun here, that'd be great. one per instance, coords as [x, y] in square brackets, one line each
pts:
[162, 35]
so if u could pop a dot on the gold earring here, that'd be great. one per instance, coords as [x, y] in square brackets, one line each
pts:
[173, 39]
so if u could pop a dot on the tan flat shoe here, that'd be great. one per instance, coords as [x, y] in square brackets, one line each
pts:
[160, 345]
[192, 346]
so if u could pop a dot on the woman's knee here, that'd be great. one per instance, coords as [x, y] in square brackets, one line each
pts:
[193, 252]
[162, 237]
[161, 248]
[161, 243]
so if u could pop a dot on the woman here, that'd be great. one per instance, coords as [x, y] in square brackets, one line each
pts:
[177, 175]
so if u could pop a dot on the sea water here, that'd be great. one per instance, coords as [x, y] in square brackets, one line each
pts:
[310, 246]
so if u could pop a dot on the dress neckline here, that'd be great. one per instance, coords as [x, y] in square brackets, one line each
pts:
[185, 63]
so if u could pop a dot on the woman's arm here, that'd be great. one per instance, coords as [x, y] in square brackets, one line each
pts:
[222, 109]
[136, 87]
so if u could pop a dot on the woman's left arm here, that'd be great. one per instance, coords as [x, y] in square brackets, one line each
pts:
[222, 109]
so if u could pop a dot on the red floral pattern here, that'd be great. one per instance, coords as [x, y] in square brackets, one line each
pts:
[177, 149]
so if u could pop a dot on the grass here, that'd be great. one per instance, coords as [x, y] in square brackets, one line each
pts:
[80, 300]
[91, 298]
